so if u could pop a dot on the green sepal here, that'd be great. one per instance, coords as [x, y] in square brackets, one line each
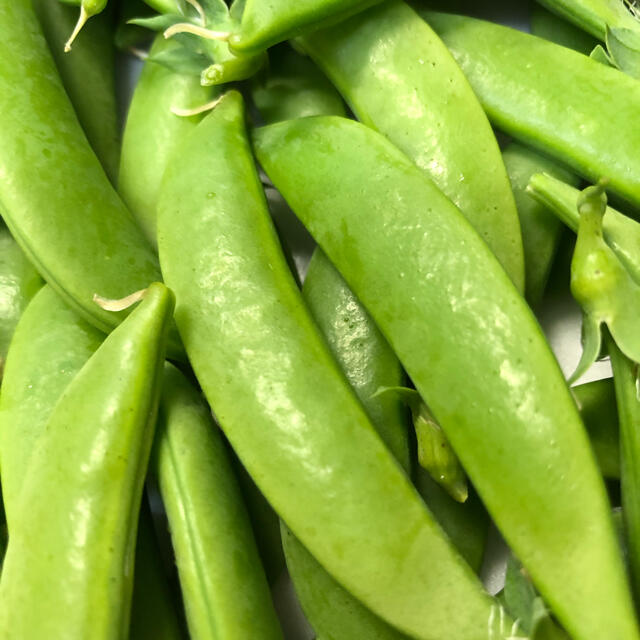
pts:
[157, 23]
[624, 49]
[600, 55]
[180, 60]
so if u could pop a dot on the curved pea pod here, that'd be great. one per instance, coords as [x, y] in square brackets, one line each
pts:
[88, 76]
[283, 402]
[597, 404]
[152, 132]
[293, 87]
[559, 105]
[541, 231]
[215, 551]
[54, 195]
[602, 285]
[415, 263]
[19, 282]
[545, 24]
[398, 78]
[264, 24]
[85, 481]
[620, 232]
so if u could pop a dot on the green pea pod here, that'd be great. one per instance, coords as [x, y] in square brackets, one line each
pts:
[602, 286]
[583, 126]
[88, 76]
[398, 78]
[152, 132]
[293, 87]
[215, 551]
[267, 23]
[545, 24]
[55, 197]
[597, 403]
[541, 231]
[85, 480]
[282, 401]
[625, 377]
[472, 347]
[19, 282]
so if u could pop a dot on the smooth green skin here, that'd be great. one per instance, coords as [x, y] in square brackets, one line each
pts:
[19, 282]
[216, 553]
[621, 233]
[294, 87]
[567, 105]
[593, 16]
[153, 132]
[597, 404]
[333, 612]
[54, 194]
[87, 73]
[625, 374]
[85, 480]
[545, 24]
[399, 79]
[282, 401]
[541, 231]
[474, 351]
[153, 611]
[265, 23]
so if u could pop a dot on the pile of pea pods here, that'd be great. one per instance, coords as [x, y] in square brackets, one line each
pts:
[192, 413]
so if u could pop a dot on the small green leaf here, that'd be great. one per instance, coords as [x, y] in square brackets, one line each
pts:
[157, 23]
[624, 49]
[600, 55]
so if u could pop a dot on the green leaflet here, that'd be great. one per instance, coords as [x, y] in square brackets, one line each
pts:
[602, 285]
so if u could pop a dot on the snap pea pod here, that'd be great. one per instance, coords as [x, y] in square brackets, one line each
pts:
[566, 104]
[85, 480]
[54, 195]
[625, 376]
[283, 402]
[88, 76]
[264, 24]
[545, 24]
[153, 131]
[215, 551]
[416, 263]
[398, 78]
[541, 231]
[19, 282]
[621, 233]
[293, 87]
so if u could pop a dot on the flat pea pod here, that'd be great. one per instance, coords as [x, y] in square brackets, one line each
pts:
[567, 105]
[283, 402]
[293, 87]
[620, 232]
[153, 131]
[19, 282]
[88, 76]
[216, 554]
[398, 78]
[415, 262]
[54, 195]
[597, 403]
[264, 24]
[547, 25]
[85, 480]
[541, 231]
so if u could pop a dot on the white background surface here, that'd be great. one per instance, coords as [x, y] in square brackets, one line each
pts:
[558, 314]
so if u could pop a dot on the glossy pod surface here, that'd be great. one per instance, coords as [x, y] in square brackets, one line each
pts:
[152, 132]
[88, 75]
[555, 99]
[54, 195]
[483, 364]
[267, 23]
[85, 481]
[224, 588]
[398, 77]
[284, 404]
